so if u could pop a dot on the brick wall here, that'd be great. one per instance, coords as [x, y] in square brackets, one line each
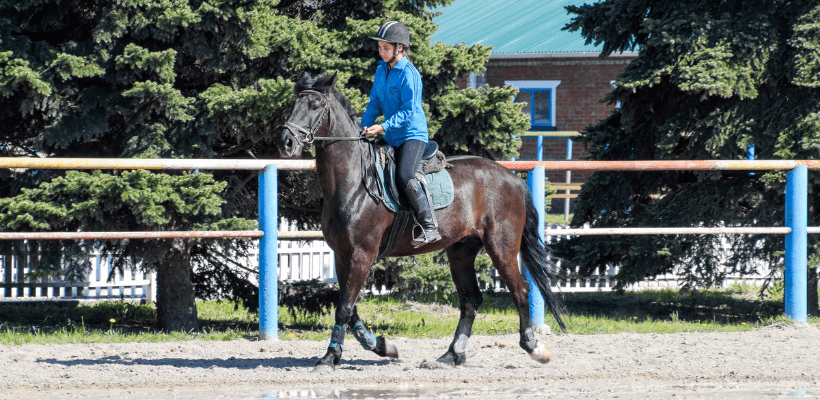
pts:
[585, 81]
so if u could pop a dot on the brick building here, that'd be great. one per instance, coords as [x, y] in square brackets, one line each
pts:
[562, 79]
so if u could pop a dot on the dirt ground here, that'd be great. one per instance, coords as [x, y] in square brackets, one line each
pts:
[771, 362]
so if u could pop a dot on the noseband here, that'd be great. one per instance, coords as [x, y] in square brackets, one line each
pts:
[310, 132]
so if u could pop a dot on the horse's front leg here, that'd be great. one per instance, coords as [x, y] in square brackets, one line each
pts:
[379, 345]
[352, 275]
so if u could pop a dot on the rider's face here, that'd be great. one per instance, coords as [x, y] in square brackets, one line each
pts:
[386, 50]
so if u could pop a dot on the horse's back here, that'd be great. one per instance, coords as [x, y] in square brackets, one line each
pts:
[485, 184]
[481, 170]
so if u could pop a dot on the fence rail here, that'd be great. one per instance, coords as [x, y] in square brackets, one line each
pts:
[674, 165]
[796, 208]
[314, 259]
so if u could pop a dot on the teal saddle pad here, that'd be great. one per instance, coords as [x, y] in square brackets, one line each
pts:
[440, 185]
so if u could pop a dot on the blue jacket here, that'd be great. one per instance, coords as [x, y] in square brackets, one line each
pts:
[398, 96]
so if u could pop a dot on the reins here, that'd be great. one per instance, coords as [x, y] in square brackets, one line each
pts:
[310, 134]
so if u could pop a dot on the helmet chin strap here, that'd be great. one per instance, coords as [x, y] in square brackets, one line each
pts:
[395, 54]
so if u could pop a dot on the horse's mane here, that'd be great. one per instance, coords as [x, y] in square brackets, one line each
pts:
[324, 84]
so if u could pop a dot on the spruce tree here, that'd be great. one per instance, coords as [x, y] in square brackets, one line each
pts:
[199, 79]
[712, 80]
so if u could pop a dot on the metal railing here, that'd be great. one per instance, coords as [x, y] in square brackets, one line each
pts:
[268, 235]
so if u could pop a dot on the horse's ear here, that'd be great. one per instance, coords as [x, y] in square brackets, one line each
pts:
[333, 79]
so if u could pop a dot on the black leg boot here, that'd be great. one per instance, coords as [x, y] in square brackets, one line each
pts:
[425, 217]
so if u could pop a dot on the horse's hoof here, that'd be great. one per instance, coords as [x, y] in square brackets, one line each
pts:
[453, 359]
[541, 354]
[322, 368]
[385, 348]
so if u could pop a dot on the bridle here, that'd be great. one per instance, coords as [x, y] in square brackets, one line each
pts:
[310, 132]
[310, 136]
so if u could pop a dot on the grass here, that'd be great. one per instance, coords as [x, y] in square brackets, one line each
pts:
[113, 322]
[667, 311]
[556, 219]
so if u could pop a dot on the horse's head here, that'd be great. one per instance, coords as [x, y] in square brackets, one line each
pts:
[311, 112]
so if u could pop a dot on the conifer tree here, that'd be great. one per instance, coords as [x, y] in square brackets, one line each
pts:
[712, 80]
[199, 79]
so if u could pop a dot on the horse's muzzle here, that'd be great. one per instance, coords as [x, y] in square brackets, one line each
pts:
[289, 145]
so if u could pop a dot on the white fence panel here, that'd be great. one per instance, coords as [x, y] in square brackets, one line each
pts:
[15, 284]
[298, 261]
[306, 260]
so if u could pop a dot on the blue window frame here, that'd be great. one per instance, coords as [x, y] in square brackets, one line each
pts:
[540, 99]
[538, 108]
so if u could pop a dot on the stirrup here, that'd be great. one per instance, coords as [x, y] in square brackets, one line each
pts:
[426, 236]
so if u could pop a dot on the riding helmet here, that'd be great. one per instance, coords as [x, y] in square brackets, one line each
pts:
[393, 32]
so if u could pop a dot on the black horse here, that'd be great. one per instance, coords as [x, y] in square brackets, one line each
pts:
[492, 209]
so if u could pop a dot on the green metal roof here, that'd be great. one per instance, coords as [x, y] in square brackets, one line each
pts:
[519, 26]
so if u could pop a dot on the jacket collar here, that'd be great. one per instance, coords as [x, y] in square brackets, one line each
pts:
[399, 65]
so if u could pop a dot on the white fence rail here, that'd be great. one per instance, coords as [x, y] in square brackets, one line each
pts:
[298, 261]
[604, 280]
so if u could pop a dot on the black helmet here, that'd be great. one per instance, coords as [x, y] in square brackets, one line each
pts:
[393, 32]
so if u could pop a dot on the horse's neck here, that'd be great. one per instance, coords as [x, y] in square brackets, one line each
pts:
[338, 164]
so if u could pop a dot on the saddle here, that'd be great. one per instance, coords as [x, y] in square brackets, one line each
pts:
[380, 183]
[431, 161]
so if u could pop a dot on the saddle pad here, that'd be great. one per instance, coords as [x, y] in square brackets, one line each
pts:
[439, 183]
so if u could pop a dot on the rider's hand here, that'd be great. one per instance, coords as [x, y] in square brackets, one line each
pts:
[373, 130]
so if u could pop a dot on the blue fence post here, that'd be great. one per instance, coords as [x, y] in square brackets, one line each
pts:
[796, 243]
[268, 254]
[568, 180]
[535, 181]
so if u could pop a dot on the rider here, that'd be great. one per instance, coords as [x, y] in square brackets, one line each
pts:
[396, 93]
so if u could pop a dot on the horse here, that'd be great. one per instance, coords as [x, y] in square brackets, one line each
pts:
[492, 209]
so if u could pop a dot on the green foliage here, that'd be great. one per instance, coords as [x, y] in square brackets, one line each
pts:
[422, 274]
[73, 314]
[429, 274]
[128, 201]
[711, 79]
[214, 78]
[489, 118]
[199, 79]
[308, 297]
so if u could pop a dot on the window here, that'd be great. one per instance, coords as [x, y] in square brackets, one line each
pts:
[540, 99]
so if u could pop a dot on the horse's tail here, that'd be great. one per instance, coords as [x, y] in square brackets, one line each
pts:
[537, 259]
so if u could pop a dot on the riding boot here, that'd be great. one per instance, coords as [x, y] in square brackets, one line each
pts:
[422, 205]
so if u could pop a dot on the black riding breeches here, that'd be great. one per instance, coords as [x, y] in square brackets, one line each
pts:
[408, 158]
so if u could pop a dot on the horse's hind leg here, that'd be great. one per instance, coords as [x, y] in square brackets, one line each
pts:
[504, 254]
[462, 268]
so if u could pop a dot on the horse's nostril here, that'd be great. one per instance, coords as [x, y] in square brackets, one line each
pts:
[288, 144]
